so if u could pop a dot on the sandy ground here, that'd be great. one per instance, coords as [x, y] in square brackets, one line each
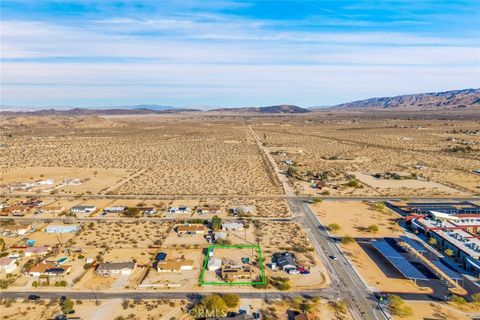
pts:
[338, 145]
[355, 217]
[389, 186]
[93, 180]
[103, 310]
[433, 310]
[320, 310]
[123, 235]
[373, 274]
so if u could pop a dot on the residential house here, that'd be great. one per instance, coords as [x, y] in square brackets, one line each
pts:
[161, 256]
[116, 209]
[177, 210]
[214, 264]
[233, 273]
[7, 265]
[46, 182]
[18, 210]
[174, 265]
[17, 230]
[48, 268]
[147, 210]
[71, 228]
[242, 210]
[191, 229]
[83, 209]
[113, 268]
[208, 210]
[52, 209]
[228, 226]
[36, 251]
[285, 261]
[32, 202]
[219, 235]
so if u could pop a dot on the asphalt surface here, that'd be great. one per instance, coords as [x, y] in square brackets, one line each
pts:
[216, 196]
[327, 293]
[351, 289]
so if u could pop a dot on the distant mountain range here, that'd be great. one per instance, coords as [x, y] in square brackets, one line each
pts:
[455, 99]
[284, 108]
[143, 109]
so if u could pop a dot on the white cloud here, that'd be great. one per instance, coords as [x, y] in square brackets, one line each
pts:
[222, 60]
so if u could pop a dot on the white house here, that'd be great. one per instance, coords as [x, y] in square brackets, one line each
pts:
[83, 209]
[7, 265]
[180, 209]
[227, 226]
[36, 251]
[46, 182]
[118, 209]
[111, 268]
[214, 264]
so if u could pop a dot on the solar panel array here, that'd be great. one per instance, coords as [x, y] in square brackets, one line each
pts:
[449, 272]
[414, 244]
[398, 261]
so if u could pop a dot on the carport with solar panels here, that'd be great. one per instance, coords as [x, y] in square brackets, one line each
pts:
[439, 263]
[407, 269]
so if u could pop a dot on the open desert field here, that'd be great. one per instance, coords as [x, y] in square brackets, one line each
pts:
[92, 180]
[354, 218]
[122, 235]
[150, 155]
[435, 310]
[334, 146]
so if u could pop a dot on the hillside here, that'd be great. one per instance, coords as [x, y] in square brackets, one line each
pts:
[93, 112]
[456, 99]
[284, 108]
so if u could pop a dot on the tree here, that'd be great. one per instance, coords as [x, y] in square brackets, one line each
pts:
[291, 171]
[476, 297]
[459, 300]
[35, 284]
[212, 304]
[232, 300]
[317, 200]
[2, 244]
[432, 241]
[132, 212]
[380, 206]
[216, 222]
[373, 228]
[398, 307]
[334, 227]
[353, 184]
[347, 239]
[449, 252]
[67, 306]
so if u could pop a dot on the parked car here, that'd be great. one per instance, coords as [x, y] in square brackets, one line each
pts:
[33, 297]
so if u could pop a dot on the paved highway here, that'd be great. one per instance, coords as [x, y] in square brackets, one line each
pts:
[350, 287]
[327, 293]
[216, 196]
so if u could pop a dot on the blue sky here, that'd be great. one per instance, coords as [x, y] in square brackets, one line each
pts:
[233, 53]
